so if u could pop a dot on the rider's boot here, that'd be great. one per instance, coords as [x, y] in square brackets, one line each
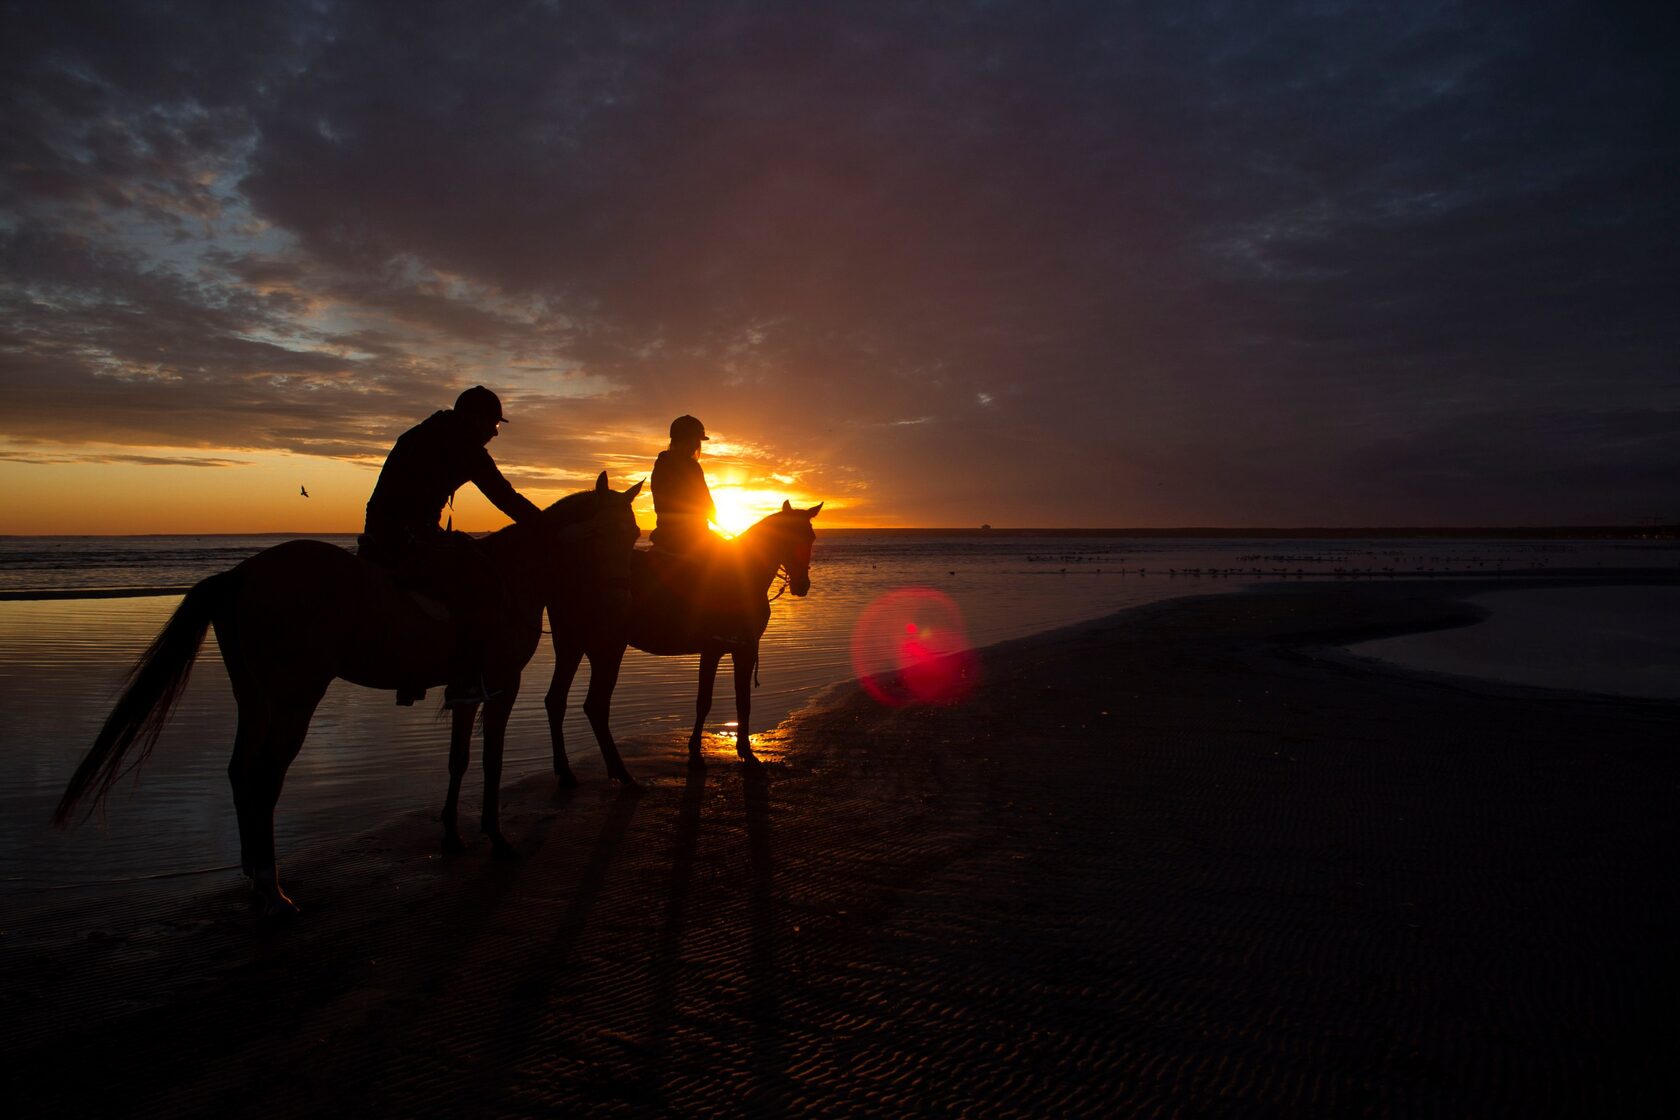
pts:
[466, 686]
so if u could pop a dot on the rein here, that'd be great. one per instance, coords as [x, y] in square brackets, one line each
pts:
[781, 570]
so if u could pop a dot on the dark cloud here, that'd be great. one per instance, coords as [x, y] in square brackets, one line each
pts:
[1144, 263]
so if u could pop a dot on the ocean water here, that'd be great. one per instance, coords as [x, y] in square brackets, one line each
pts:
[1620, 641]
[66, 644]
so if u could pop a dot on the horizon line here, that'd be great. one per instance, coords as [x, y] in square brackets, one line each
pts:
[1661, 530]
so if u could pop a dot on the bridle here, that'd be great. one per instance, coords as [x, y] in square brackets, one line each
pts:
[801, 555]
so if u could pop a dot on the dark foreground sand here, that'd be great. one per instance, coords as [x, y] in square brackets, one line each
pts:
[1173, 862]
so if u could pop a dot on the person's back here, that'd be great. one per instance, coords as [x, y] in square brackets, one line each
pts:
[425, 467]
[682, 502]
[703, 581]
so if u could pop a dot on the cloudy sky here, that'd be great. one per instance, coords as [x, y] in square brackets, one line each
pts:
[1029, 264]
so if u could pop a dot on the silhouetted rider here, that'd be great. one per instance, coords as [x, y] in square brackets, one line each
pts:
[716, 598]
[682, 502]
[431, 461]
[428, 463]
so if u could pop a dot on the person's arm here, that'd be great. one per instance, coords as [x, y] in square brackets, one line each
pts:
[500, 491]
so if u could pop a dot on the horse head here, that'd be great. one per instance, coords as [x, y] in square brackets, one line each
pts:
[598, 532]
[786, 538]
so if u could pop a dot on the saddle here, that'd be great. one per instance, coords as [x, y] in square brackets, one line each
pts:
[409, 579]
[436, 576]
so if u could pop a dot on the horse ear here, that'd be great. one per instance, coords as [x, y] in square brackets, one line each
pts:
[630, 494]
[814, 510]
[786, 508]
[601, 482]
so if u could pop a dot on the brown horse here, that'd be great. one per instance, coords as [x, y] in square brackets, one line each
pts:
[294, 617]
[709, 606]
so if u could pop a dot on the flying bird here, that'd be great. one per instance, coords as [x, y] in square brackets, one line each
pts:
[304, 490]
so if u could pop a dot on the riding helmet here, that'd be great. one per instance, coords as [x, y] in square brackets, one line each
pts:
[687, 427]
[480, 402]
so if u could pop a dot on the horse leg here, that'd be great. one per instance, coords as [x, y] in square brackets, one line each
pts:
[266, 771]
[248, 741]
[604, 665]
[709, 658]
[559, 688]
[744, 658]
[460, 753]
[496, 713]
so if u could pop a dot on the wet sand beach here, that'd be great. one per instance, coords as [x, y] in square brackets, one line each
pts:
[1185, 860]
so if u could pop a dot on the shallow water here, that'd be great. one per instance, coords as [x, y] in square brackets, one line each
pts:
[1623, 641]
[63, 661]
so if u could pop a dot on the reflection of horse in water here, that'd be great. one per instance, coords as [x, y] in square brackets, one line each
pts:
[710, 605]
[294, 617]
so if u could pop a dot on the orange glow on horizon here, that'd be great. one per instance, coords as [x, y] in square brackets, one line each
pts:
[123, 491]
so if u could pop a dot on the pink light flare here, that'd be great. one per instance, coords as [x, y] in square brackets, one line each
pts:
[910, 647]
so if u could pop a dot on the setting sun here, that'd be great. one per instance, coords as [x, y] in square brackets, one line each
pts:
[739, 508]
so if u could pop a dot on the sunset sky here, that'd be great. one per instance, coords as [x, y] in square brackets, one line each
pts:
[1036, 264]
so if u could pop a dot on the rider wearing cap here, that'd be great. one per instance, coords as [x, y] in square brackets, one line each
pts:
[682, 507]
[427, 465]
[682, 502]
[431, 461]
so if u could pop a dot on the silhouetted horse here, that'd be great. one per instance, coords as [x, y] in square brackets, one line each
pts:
[294, 617]
[681, 606]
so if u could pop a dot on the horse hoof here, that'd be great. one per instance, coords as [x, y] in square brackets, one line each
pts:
[502, 850]
[565, 779]
[453, 845]
[746, 755]
[276, 907]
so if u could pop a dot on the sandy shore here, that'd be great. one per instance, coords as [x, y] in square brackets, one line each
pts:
[1172, 862]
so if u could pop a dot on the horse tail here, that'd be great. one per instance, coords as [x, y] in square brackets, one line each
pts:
[152, 689]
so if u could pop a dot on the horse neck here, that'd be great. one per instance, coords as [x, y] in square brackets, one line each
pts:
[760, 555]
[519, 558]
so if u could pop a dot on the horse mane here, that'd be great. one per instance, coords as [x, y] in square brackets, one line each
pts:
[572, 508]
[569, 510]
[762, 527]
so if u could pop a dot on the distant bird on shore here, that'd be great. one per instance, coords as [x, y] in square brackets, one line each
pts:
[304, 490]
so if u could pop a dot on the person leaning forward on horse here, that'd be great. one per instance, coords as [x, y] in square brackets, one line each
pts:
[425, 467]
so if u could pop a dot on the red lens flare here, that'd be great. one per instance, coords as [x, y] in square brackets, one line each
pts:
[910, 647]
